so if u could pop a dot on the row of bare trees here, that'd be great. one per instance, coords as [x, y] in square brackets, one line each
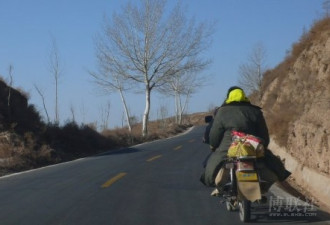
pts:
[144, 48]
[55, 68]
[147, 48]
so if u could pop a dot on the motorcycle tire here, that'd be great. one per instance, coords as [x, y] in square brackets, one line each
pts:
[244, 210]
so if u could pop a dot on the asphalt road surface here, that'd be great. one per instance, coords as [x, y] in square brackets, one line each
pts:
[155, 183]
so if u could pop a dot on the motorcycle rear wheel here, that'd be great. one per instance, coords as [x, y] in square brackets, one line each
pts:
[244, 210]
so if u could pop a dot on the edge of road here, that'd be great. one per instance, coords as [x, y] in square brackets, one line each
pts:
[279, 191]
[177, 135]
[312, 182]
[147, 142]
[40, 168]
[99, 154]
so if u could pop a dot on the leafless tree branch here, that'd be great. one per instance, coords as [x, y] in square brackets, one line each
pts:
[146, 45]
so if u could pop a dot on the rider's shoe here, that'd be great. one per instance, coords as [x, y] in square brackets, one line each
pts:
[218, 191]
[215, 192]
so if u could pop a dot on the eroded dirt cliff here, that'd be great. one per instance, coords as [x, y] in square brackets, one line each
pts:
[296, 99]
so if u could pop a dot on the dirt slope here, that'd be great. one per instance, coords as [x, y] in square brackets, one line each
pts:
[296, 104]
[296, 99]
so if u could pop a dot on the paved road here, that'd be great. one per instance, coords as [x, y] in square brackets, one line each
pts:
[151, 184]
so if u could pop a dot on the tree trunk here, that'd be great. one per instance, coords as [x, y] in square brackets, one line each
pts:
[57, 120]
[43, 102]
[176, 107]
[146, 113]
[126, 110]
[180, 110]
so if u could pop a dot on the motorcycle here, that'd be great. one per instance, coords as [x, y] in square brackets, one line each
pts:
[242, 185]
[239, 181]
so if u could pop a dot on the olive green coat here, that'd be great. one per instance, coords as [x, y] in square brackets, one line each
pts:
[239, 116]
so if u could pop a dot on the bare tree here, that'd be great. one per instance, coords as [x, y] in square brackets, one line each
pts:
[55, 68]
[105, 116]
[43, 101]
[110, 83]
[10, 84]
[146, 45]
[181, 87]
[163, 114]
[73, 114]
[82, 110]
[251, 73]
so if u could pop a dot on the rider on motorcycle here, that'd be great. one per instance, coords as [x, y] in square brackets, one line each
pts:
[236, 113]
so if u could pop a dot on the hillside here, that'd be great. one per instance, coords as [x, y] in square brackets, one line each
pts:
[296, 103]
[27, 142]
[296, 99]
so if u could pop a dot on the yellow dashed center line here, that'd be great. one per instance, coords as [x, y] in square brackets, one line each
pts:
[154, 158]
[177, 148]
[113, 180]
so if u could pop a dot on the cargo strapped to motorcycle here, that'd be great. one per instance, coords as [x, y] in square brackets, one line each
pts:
[245, 145]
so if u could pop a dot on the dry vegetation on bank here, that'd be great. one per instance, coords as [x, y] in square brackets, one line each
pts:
[26, 142]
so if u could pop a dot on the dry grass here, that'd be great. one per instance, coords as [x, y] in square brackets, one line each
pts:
[26, 142]
[58, 144]
[156, 130]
